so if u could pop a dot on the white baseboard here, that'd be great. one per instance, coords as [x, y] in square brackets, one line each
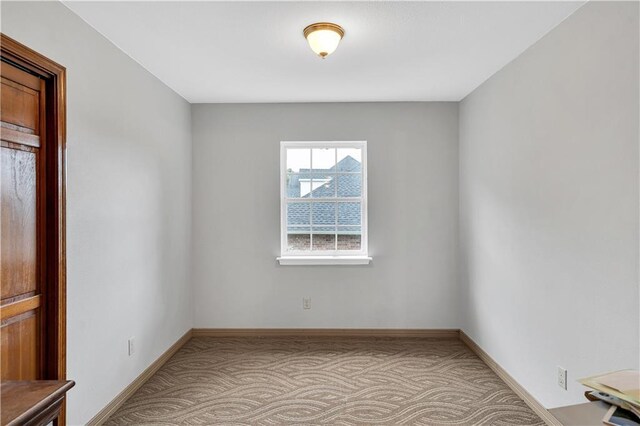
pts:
[451, 333]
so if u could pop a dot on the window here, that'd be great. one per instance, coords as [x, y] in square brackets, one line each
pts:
[323, 187]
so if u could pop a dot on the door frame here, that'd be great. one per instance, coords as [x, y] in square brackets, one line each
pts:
[54, 201]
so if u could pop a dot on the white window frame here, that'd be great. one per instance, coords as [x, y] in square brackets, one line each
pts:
[323, 257]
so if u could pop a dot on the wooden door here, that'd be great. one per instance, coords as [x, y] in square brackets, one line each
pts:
[32, 215]
[22, 211]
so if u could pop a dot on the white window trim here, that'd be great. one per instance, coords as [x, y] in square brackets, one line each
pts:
[323, 257]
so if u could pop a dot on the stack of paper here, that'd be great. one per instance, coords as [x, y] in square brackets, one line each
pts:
[624, 385]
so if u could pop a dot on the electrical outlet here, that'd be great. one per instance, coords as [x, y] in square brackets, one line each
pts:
[562, 378]
[306, 303]
[132, 347]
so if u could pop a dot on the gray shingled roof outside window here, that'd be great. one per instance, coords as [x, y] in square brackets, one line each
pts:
[324, 214]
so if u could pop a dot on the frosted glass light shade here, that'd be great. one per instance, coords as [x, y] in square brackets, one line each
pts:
[323, 37]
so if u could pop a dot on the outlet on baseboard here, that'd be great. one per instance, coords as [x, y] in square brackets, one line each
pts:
[132, 347]
[306, 303]
[562, 378]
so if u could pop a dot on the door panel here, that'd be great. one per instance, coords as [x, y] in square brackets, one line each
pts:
[19, 250]
[20, 348]
[20, 106]
[22, 215]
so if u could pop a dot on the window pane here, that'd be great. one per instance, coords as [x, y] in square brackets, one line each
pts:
[350, 185]
[349, 160]
[323, 186]
[324, 237]
[298, 159]
[324, 240]
[311, 185]
[298, 241]
[298, 214]
[298, 226]
[298, 185]
[324, 159]
[349, 214]
[349, 238]
[349, 242]
[323, 214]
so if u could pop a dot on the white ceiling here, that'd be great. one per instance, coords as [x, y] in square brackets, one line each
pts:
[255, 51]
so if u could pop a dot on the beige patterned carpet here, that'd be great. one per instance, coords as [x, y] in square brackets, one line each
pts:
[337, 381]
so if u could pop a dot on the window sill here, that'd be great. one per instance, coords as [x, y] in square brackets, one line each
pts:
[324, 260]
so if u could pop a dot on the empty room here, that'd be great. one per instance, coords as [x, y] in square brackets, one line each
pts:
[320, 213]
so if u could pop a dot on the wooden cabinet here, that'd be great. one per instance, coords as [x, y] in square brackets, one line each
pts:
[33, 403]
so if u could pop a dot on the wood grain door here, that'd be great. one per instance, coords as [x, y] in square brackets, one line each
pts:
[32, 216]
[22, 211]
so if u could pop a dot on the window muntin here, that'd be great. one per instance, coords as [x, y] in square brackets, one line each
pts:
[323, 198]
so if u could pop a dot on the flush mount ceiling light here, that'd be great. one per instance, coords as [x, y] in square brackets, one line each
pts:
[323, 37]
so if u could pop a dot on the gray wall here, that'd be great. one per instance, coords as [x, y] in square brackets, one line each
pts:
[549, 205]
[413, 211]
[128, 205]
